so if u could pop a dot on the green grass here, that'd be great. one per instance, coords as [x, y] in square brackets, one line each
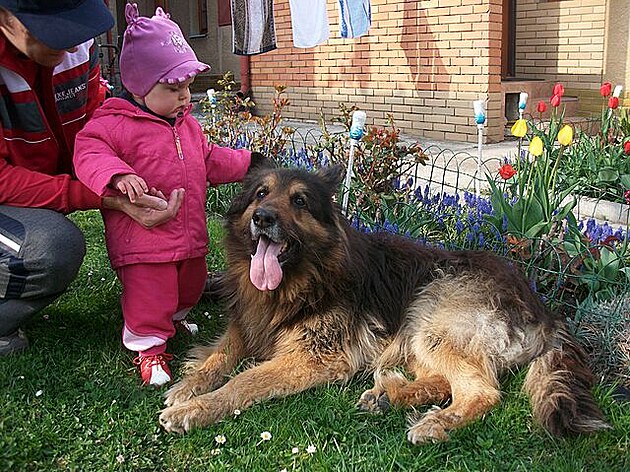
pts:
[93, 414]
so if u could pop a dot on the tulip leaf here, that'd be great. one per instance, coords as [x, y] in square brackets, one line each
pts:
[537, 229]
[625, 180]
[565, 209]
[608, 174]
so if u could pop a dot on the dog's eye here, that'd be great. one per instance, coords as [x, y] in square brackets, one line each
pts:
[262, 193]
[299, 201]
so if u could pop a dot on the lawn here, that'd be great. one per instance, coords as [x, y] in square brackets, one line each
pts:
[74, 402]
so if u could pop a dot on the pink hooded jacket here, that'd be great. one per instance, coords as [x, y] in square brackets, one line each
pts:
[123, 139]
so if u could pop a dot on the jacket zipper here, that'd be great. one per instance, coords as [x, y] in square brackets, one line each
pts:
[184, 208]
[178, 144]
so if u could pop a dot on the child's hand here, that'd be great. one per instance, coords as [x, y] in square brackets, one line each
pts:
[131, 185]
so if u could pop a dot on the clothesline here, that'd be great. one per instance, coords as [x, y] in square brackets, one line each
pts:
[253, 28]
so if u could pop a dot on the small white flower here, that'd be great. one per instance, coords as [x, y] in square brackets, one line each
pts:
[311, 449]
[237, 412]
[120, 458]
[295, 450]
[90, 274]
[46, 317]
[284, 470]
[220, 439]
[20, 377]
[39, 393]
[206, 314]
[102, 279]
[265, 436]
[215, 452]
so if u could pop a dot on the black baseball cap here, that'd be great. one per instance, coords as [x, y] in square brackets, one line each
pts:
[62, 24]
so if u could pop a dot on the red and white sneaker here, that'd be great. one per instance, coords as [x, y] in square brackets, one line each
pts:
[154, 369]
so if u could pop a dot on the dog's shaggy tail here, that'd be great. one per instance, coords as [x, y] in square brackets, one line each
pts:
[559, 385]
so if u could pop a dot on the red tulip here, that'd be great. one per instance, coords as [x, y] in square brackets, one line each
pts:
[506, 171]
[626, 147]
[541, 107]
[613, 103]
[605, 89]
[555, 101]
[558, 89]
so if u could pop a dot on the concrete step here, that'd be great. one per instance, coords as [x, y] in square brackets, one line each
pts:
[537, 90]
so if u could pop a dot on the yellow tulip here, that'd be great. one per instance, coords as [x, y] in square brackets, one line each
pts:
[536, 146]
[565, 135]
[519, 129]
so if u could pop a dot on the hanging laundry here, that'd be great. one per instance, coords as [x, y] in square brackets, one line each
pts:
[253, 30]
[355, 18]
[309, 22]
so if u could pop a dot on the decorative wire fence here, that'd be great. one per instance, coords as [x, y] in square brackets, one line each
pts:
[429, 195]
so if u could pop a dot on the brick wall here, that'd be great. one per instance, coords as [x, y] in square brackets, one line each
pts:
[570, 41]
[422, 61]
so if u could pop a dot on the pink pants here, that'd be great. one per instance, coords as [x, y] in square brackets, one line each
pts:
[156, 295]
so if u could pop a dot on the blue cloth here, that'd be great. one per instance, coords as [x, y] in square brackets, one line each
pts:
[355, 18]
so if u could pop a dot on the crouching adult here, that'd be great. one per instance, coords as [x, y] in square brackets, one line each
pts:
[49, 88]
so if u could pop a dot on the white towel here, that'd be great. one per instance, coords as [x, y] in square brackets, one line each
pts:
[355, 18]
[253, 29]
[309, 21]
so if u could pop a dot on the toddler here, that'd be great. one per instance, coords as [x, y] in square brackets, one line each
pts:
[149, 140]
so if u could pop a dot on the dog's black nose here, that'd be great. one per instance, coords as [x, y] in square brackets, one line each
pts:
[263, 218]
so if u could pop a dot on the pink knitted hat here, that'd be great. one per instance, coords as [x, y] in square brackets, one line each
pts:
[154, 50]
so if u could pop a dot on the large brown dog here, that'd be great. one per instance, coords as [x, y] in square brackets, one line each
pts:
[319, 301]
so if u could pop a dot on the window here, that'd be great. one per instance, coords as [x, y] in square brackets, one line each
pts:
[199, 17]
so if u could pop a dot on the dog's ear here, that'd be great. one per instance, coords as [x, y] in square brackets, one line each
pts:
[260, 161]
[332, 177]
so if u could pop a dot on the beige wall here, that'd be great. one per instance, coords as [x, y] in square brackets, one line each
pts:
[617, 46]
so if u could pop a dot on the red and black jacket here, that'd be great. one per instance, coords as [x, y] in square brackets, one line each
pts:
[41, 111]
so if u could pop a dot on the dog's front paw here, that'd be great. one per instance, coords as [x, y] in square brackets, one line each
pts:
[184, 417]
[373, 401]
[191, 386]
[196, 413]
[176, 419]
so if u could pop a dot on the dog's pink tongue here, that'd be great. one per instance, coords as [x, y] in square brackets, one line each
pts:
[264, 270]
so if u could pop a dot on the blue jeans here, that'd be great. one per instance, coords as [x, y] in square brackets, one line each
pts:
[40, 255]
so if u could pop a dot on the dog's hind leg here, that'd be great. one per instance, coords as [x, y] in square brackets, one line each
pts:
[208, 368]
[474, 391]
[278, 377]
[393, 388]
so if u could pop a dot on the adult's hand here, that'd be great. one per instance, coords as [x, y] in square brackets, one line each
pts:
[149, 210]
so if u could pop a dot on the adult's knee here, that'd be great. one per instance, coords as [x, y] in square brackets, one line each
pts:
[53, 252]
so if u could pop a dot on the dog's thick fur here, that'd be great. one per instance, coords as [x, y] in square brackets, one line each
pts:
[346, 301]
